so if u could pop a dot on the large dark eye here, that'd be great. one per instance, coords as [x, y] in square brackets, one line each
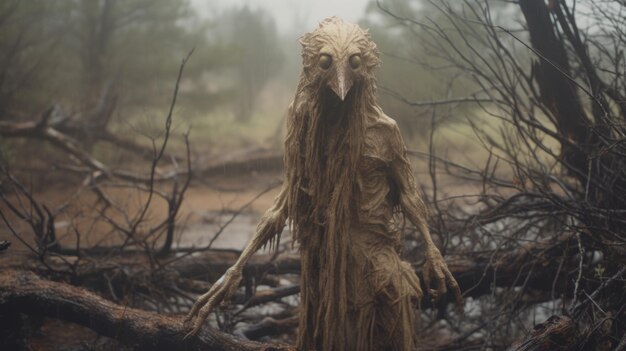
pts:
[355, 61]
[325, 61]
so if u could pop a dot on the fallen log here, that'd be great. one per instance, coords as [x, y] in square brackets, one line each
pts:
[256, 160]
[210, 265]
[25, 292]
[534, 266]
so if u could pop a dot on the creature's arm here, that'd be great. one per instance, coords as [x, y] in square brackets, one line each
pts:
[415, 210]
[271, 224]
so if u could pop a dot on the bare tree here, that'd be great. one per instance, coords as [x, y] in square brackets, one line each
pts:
[554, 91]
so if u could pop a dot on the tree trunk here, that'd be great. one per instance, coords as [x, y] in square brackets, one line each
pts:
[558, 92]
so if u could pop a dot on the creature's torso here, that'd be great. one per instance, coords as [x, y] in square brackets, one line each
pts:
[378, 195]
[383, 290]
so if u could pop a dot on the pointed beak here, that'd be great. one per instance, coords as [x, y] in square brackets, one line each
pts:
[341, 82]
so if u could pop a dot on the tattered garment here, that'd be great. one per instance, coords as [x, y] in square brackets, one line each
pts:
[357, 293]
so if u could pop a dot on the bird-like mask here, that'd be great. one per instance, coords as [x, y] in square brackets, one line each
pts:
[338, 55]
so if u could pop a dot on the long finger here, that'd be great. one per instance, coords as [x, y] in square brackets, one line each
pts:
[197, 323]
[206, 309]
[200, 302]
[456, 290]
[441, 282]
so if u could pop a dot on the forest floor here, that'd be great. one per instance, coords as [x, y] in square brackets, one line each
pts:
[235, 204]
[230, 206]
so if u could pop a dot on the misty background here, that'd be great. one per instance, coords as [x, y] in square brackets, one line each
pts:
[237, 85]
[141, 141]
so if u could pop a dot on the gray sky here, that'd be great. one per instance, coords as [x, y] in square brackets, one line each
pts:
[294, 14]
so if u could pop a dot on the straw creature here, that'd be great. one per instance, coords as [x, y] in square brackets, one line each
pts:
[347, 182]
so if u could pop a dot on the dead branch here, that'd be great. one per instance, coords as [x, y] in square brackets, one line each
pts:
[557, 333]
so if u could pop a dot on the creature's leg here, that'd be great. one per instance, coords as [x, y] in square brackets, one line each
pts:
[397, 293]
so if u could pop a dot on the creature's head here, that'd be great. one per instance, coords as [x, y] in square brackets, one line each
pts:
[338, 55]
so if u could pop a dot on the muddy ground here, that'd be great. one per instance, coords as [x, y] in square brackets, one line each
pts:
[231, 206]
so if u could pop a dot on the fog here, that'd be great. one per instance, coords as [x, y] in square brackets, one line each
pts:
[143, 141]
[292, 15]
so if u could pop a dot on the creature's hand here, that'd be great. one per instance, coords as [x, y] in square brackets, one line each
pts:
[220, 292]
[436, 266]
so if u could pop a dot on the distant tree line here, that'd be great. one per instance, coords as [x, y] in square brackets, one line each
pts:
[107, 61]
